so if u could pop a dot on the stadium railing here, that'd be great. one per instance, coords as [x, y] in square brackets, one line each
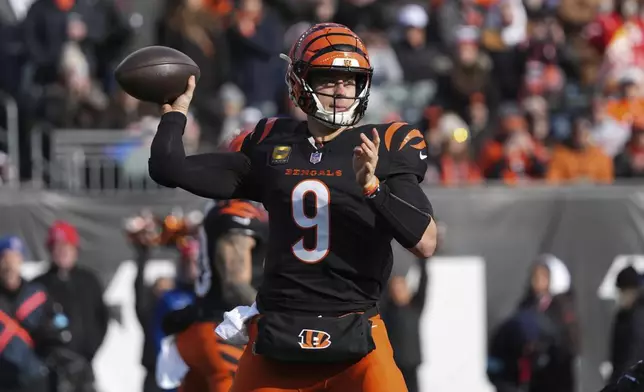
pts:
[9, 135]
[90, 160]
[98, 161]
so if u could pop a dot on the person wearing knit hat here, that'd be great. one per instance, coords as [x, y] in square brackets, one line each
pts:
[544, 326]
[417, 58]
[62, 242]
[23, 323]
[628, 278]
[11, 255]
[77, 290]
[11, 243]
[413, 16]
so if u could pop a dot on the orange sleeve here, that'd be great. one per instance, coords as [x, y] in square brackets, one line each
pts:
[607, 172]
[556, 172]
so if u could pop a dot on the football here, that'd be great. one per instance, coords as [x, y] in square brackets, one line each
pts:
[156, 74]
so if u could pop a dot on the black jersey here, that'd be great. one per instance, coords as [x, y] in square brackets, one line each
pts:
[221, 218]
[328, 252]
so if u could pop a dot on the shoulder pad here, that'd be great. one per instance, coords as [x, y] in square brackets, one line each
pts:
[271, 126]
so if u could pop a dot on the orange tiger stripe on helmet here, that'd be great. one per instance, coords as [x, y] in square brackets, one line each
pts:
[325, 43]
[334, 47]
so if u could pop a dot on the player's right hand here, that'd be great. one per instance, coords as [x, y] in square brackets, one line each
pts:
[182, 103]
[365, 160]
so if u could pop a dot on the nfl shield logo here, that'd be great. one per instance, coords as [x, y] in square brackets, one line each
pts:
[316, 157]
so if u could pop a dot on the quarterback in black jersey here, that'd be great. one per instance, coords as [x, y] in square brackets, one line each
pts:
[337, 194]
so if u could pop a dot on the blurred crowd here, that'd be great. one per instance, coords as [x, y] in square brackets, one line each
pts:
[538, 346]
[510, 90]
[51, 327]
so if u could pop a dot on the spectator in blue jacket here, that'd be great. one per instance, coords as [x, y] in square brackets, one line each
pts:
[25, 334]
[182, 294]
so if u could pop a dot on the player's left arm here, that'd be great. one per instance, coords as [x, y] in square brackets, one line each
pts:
[409, 213]
[398, 199]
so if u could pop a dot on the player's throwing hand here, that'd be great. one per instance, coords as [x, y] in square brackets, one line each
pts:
[182, 103]
[365, 160]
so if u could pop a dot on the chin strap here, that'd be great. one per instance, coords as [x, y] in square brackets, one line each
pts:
[326, 123]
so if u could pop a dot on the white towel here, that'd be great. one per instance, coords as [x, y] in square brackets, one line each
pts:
[233, 328]
[171, 368]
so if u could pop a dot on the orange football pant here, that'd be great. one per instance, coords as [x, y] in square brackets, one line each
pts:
[212, 362]
[376, 372]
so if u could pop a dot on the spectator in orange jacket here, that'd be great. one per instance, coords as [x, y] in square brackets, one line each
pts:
[578, 160]
[513, 155]
[456, 166]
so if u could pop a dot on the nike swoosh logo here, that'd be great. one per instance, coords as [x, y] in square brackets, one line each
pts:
[423, 156]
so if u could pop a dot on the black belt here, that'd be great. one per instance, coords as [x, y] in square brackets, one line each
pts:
[371, 312]
[374, 311]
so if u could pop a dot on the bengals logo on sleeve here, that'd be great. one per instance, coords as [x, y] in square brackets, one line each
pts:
[413, 137]
[311, 339]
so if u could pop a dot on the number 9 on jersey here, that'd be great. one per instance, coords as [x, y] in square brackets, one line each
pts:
[319, 221]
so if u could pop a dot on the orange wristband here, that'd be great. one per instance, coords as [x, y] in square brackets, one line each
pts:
[370, 190]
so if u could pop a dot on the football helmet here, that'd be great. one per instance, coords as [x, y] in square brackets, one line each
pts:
[328, 46]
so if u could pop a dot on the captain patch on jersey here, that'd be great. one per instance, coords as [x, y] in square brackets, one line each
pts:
[280, 155]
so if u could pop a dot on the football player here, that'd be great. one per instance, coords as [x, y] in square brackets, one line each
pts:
[232, 241]
[337, 193]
